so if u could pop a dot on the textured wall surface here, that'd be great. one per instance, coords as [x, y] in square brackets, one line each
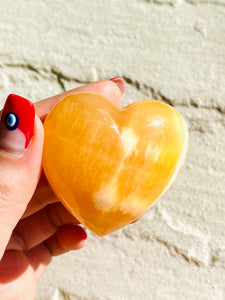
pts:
[169, 50]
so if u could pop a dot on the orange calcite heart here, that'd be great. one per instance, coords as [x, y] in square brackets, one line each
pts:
[108, 165]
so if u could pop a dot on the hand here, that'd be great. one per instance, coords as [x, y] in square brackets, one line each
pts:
[34, 226]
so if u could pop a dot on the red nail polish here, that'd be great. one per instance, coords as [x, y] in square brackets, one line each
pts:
[17, 124]
[120, 83]
[115, 78]
[81, 233]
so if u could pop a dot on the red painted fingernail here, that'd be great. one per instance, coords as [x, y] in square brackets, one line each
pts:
[81, 232]
[17, 124]
[120, 83]
[71, 236]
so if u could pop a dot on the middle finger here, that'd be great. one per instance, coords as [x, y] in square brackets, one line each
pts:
[38, 227]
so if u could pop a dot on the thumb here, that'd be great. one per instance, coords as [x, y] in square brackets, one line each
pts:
[21, 143]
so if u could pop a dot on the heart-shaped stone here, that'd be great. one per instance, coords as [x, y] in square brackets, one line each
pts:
[108, 165]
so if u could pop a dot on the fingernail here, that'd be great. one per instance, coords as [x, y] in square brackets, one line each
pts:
[69, 236]
[120, 83]
[17, 124]
[81, 232]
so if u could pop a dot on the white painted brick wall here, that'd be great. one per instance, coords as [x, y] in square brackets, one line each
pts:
[170, 50]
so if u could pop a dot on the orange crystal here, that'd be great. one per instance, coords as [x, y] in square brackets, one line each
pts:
[108, 165]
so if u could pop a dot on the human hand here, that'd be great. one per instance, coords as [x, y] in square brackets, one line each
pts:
[34, 226]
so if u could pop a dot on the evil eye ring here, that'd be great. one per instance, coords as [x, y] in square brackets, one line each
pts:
[11, 121]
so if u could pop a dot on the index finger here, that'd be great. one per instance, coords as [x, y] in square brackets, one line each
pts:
[111, 89]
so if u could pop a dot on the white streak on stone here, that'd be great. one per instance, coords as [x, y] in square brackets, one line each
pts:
[152, 151]
[130, 141]
[105, 198]
[116, 128]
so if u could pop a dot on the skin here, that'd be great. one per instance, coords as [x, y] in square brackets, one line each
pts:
[29, 203]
